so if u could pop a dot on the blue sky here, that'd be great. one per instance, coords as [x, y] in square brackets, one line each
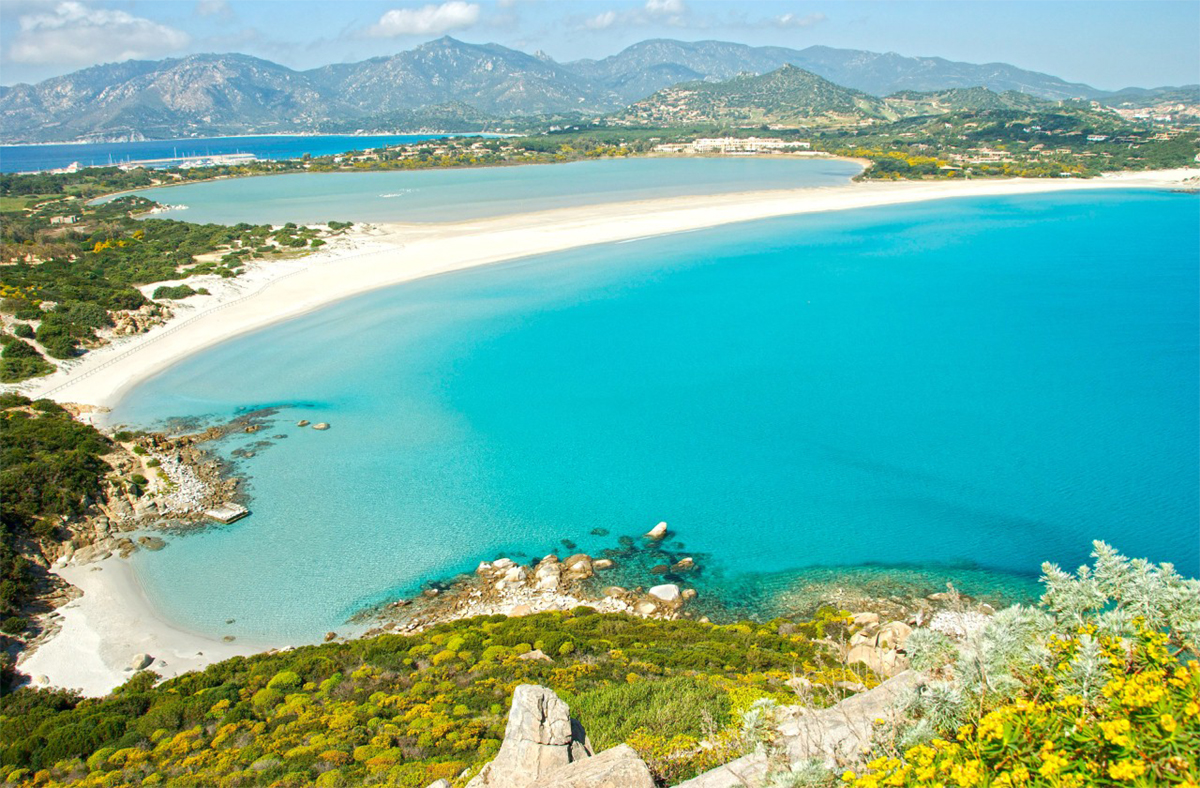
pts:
[1106, 44]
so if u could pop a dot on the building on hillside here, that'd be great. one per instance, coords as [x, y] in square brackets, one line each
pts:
[738, 145]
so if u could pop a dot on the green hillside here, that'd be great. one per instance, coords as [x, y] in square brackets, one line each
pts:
[407, 710]
[787, 97]
[976, 99]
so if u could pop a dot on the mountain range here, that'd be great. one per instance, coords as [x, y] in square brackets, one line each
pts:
[447, 82]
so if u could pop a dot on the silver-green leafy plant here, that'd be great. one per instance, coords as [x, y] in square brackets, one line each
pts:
[929, 650]
[1119, 594]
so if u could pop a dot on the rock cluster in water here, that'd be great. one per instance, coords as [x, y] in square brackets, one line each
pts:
[506, 587]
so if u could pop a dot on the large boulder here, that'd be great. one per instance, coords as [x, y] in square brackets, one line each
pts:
[844, 732]
[668, 593]
[540, 737]
[619, 767]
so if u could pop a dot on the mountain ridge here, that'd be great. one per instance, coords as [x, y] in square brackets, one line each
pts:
[212, 94]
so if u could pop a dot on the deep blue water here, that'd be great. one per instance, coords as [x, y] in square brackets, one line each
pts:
[30, 158]
[977, 382]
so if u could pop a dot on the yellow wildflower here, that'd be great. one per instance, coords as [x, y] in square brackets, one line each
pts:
[1126, 770]
[1115, 731]
[968, 774]
[1167, 722]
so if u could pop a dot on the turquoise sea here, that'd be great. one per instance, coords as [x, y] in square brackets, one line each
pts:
[472, 193]
[963, 388]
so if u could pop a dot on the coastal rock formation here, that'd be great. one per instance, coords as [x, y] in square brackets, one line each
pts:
[544, 748]
[668, 593]
[657, 532]
[880, 648]
[618, 767]
[836, 736]
[540, 738]
[137, 321]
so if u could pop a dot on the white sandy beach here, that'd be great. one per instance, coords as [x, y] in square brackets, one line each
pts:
[108, 626]
[113, 622]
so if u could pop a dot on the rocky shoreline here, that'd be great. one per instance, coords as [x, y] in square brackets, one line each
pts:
[872, 636]
[507, 587]
[157, 484]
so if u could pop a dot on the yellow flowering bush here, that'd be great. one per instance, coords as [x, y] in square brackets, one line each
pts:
[1115, 701]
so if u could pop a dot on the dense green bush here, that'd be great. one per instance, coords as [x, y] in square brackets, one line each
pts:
[50, 468]
[20, 360]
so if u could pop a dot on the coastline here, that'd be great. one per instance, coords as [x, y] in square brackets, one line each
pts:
[101, 632]
[391, 254]
[114, 621]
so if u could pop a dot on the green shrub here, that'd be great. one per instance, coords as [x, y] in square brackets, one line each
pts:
[168, 292]
[284, 680]
[13, 625]
[671, 707]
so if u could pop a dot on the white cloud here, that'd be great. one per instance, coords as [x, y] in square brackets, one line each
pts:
[665, 7]
[217, 8]
[74, 34]
[601, 21]
[791, 20]
[654, 12]
[426, 20]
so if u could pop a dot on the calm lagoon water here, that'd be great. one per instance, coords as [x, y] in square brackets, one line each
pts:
[975, 383]
[471, 193]
[29, 158]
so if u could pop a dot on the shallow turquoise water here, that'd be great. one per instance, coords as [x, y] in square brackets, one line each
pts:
[451, 195]
[975, 383]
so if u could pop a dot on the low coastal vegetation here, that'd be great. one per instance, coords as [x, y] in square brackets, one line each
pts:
[407, 710]
[73, 271]
[1098, 685]
[51, 470]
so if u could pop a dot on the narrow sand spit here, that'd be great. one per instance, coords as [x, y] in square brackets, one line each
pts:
[395, 253]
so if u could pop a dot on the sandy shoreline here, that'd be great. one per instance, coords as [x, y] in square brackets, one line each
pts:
[114, 621]
[102, 631]
[396, 253]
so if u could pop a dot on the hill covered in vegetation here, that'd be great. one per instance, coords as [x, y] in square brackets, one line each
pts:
[789, 96]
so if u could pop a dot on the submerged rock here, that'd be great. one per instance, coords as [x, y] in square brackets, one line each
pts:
[683, 565]
[151, 542]
[322, 426]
